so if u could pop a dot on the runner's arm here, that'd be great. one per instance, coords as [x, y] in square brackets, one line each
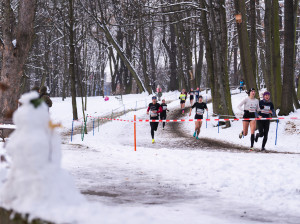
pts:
[241, 104]
[160, 110]
[273, 110]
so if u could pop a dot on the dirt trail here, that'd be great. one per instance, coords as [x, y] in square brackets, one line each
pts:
[182, 140]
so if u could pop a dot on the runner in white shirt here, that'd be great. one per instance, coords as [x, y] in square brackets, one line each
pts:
[251, 108]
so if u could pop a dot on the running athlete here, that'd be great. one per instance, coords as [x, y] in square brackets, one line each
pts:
[154, 109]
[266, 110]
[197, 94]
[182, 98]
[191, 93]
[251, 107]
[200, 107]
[163, 114]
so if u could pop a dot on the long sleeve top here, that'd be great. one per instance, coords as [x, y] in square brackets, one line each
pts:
[251, 105]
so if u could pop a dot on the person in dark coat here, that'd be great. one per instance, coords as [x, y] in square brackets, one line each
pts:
[36, 88]
[44, 96]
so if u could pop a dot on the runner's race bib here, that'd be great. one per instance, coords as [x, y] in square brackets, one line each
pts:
[199, 111]
[153, 113]
[266, 110]
[183, 98]
[252, 109]
[164, 107]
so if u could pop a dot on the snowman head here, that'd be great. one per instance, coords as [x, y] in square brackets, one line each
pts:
[33, 112]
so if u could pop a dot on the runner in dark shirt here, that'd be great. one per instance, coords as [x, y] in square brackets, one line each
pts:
[266, 111]
[154, 108]
[197, 94]
[163, 114]
[200, 107]
[191, 93]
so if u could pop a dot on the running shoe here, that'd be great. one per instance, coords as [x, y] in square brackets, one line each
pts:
[251, 149]
[197, 137]
[153, 141]
[194, 135]
[241, 135]
[263, 149]
[256, 137]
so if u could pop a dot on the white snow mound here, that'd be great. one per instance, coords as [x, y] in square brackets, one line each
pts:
[36, 179]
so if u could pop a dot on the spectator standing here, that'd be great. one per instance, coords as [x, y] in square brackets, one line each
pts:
[45, 96]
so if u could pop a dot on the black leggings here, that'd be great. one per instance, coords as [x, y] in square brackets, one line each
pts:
[163, 117]
[263, 128]
[153, 126]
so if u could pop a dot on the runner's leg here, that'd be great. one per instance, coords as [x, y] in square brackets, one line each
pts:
[200, 124]
[245, 127]
[252, 129]
[260, 127]
[197, 128]
[152, 129]
[266, 132]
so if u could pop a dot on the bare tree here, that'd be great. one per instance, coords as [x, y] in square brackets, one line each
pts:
[17, 41]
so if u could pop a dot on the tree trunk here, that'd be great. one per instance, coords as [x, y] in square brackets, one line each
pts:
[152, 58]
[208, 48]
[246, 60]
[14, 57]
[198, 73]
[276, 59]
[288, 67]
[172, 53]
[253, 38]
[72, 59]
[268, 46]
[222, 102]
[261, 47]
[120, 51]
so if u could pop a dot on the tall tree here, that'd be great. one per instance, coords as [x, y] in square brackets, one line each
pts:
[244, 44]
[72, 58]
[288, 67]
[216, 55]
[276, 58]
[17, 42]
[253, 36]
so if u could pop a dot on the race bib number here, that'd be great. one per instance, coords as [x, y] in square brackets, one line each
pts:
[266, 109]
[183, 98]
[164, 107]
[199, 111]
[252, 109]
[153, 113]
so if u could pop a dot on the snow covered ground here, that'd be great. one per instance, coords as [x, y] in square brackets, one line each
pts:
[168, 182]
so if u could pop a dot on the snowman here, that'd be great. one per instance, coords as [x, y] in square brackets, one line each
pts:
[35, 177]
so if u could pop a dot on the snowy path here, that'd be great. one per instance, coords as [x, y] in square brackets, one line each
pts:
[181, 182]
